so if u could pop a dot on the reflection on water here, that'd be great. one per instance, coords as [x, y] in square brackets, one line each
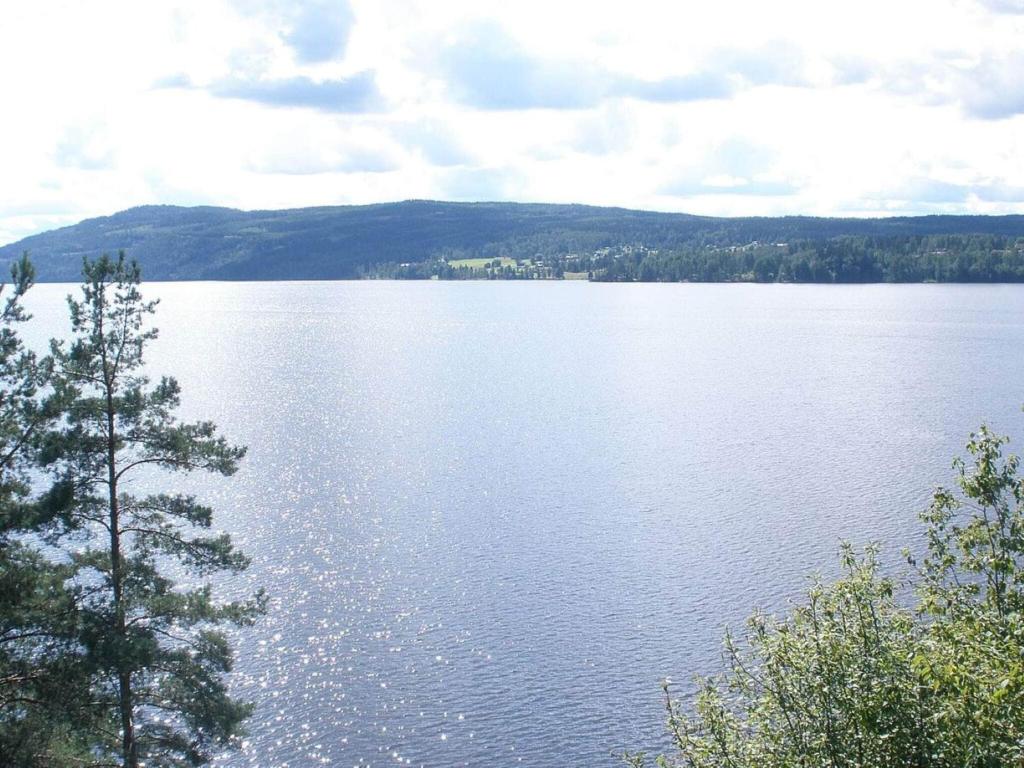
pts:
[493, 516]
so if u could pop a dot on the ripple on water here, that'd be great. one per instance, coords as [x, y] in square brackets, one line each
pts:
[492, 517]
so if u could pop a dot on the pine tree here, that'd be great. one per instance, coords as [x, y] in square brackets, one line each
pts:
[20, 378]
[158, 659]
[43, 693]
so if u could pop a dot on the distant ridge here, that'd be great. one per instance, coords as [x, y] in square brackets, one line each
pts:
[335, 242]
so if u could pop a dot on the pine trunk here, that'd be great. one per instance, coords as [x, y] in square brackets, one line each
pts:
[128, 748]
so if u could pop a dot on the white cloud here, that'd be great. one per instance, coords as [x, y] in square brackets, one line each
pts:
[727, 108]
[86, 146]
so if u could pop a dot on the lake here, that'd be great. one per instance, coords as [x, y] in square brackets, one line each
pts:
[493, 516]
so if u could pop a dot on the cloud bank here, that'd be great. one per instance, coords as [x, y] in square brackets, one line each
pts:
[735, 108]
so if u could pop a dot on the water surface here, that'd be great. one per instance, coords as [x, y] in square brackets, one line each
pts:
[493, 516]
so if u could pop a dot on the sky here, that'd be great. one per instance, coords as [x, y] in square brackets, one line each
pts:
[828, 107]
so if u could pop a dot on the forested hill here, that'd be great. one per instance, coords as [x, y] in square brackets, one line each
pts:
[177, 243]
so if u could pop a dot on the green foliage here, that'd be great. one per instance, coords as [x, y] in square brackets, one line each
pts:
[155, 662]
[944, 258]
[46, 714]
[972, 585]
[44, 701]
[24, 414]
[962, 258]
[853, 678]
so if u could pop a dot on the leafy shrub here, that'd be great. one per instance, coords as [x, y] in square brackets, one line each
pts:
[853, 678]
